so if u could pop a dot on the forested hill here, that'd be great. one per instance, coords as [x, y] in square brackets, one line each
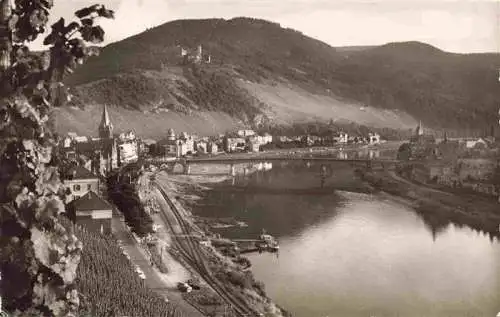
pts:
[261, 72]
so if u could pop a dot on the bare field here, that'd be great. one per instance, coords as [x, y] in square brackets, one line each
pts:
[146, 125]
[286, 104]
[289, 103]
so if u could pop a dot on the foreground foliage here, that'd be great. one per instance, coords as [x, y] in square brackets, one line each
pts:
[39, 256]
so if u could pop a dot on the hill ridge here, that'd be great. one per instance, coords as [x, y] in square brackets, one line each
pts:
[252, 60]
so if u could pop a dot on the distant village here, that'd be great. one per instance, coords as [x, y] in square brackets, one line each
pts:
[466, 164]
[108, 151]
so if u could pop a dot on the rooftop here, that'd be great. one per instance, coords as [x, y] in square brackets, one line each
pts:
[80, 172]
[91, 201]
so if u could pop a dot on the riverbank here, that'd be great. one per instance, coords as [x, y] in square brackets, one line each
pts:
[228, 280]
[439, 207]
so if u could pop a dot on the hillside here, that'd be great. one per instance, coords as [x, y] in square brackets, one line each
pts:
[261, 73]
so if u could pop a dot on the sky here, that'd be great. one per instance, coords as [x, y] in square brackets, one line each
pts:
[463, 26]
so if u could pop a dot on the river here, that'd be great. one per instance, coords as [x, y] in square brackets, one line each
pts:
[352, 254]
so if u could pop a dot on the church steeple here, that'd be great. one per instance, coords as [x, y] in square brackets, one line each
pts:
[105, 127]
[420, 130]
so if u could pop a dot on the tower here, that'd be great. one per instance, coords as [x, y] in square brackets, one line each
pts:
[105, 127]
[199, 54]
[171, 135]
[420, 130]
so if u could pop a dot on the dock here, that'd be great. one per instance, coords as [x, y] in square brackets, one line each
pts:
[265, 243]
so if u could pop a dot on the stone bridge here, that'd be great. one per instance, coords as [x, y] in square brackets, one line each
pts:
[224, 165]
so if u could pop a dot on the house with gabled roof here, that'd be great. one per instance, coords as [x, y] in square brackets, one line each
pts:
[78, 181]
[92, 212]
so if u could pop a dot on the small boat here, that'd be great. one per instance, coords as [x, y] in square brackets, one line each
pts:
[267, 242]
[221, 226]
[241, 224]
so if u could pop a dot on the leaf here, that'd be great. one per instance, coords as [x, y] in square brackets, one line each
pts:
[94, 34]
[47, 3]
[14, 18]
[73, 26]
[58, 27]
[87, 22]
[82, 13]
[105, 13]
[50, 39]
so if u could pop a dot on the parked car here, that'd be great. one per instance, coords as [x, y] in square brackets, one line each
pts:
[140, 272]
[184, 287]
[195, 284]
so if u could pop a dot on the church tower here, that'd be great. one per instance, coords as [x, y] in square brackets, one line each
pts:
[105, 127]
[419, 130]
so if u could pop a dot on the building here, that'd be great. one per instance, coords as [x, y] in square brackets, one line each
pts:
[307, 140]
[341, 137]
[212, 148]
[435, 172]
[245, 133]
[478, 169]
[78, 182]
[195, 56]
[267, 138]
[373, 138]
[128, 152]
[187, 144]
[128, 147]
[475, 143]
[67, 142]
[422, 145]
[105, 127]
[92, 212]
[146, 146]
[254, 144]
[234, 144]
[201, 147]
[178, 146]
[103, 151]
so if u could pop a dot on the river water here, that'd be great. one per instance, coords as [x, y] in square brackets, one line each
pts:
[351, 254]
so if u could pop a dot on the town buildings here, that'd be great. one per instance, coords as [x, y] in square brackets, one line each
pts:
[178, 146]
[212, 148]
[128, 147]
[104, 153]
[373, 138]
[475, 143]
[234, 144]
[245, 133]
[422, 146]
[341, 137]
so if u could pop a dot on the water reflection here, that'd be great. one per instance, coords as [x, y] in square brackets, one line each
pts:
[376, 258]
[349, 254]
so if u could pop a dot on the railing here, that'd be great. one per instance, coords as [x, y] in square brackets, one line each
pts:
[286, 158]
